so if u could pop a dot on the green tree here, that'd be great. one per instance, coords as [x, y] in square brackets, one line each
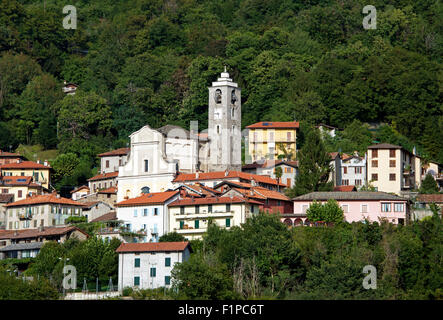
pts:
[171, 237]
[429, 185]
[314, 166]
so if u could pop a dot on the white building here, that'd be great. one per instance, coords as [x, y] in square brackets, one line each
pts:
[149, 265]
[147, 214]
[158, 155]
[190, 216]
[79, 193]
[112, 160]
[353, 170]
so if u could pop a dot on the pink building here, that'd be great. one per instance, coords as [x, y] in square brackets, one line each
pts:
[357, 206]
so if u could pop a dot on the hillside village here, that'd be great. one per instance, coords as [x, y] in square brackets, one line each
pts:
[174, 180]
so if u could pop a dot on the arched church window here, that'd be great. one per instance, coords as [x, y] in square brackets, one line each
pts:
[145, 190]
[233, 97]
[218, 129]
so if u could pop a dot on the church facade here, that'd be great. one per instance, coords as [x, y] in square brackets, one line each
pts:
[157, 156]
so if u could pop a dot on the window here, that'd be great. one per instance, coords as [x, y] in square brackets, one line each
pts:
[364, 208]
[399, 207]
[167, 280]
[386, 207]
[145, 212]
[182, 210]
[375, 163]
[345, 170]
[345, 208]
[228, 222]
[218, 129]
[135, 212]
[392, 177]
[392, 163]
[155, 211]
[153, 272]
[196, 224]
[374, 153]
[228, 207]
[137, 262]
[167, 262]
[19, 194]
[358, 182]
[288, 134]
[182, 224]
[391, 153]
[288, 182]
[146, 165]
[209, 207]
[271, 136]
[304, 208]
[120, 162]
[345, 182]
[4, 190]
[255, 136]
[107, 163]
[136, 281]
[197, 209]
[358, 170]
[374, 177]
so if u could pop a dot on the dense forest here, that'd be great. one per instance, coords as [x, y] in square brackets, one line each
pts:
[150, 62]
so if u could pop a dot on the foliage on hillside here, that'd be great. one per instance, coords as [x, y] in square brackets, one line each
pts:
[266, 260]
[151, 61]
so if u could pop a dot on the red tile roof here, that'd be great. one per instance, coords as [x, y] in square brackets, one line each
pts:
[271, 194]
[428, 198]
[111, 190]
[345, 188]
[103, 176]
[210, 200]
[46, 198]
[16, 180]
[152, 246]
[117, 152]
[34, 233]
[4, 154]
[276, 125]
[25, 165]
[384, 146]
[80, 188]
[270, 164]
[149, 198]
[220, 175]
[110, 216]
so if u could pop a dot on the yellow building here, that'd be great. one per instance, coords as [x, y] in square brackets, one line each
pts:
[269, 140]
[39, 172]
[19, 186]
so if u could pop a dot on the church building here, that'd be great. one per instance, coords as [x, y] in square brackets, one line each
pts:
[157, 156]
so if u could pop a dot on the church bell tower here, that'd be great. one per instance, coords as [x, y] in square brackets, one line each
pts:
[224, 125]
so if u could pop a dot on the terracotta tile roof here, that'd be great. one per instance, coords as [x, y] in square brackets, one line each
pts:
[203, 189]
[274, 124]
[80, 188]
[117, 152]
[34, 233]
[152, 247]
[271, 194]
[150, 198]
[349, 196]
[16, 180]
[270, 164]
[6, 197]
[250, 194]
[104, 176]
[110, 216]
[210, 200]
[220, 175]
[40, 199]
[25, 165]
[428, 198]
[333, 155]
[345, 188]
[89, 204]
[235, 184]
[4, 154]
[112, 190]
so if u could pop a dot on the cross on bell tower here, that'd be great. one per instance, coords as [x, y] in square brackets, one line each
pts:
[224, 124]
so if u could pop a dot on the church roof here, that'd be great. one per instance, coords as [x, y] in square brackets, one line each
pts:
[167, 128]
[275, 125]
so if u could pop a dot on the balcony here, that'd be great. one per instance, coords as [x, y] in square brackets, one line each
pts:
[25, 216]
[204, 215]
